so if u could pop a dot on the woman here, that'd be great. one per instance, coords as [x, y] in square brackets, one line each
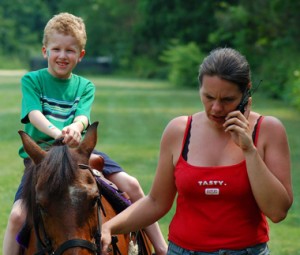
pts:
[228, 165]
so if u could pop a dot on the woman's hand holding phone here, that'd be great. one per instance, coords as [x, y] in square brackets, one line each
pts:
[237, 124]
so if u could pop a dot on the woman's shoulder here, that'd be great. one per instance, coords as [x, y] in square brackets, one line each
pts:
[173, 134]
[267, 120]
[271, 126]
[178, 123]
[175, 127]
[179, 119]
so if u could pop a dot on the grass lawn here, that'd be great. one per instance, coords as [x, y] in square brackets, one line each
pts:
[132, 116]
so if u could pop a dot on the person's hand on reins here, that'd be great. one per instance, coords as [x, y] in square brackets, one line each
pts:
[105, 239]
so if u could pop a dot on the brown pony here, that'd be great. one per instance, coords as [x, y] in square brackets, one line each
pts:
[64, 202]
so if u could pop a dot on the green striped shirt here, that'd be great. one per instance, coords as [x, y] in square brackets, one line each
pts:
[60, 100]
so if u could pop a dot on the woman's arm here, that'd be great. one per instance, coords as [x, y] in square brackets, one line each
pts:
[158, 202]
[268, 164]
[269, 170]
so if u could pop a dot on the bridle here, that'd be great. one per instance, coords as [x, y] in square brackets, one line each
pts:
[45, 242]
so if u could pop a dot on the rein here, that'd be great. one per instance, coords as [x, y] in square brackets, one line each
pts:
[46, 244]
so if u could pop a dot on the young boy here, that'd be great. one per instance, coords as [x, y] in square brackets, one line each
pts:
[56, 103]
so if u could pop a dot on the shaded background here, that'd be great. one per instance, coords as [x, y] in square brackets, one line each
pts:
[166, 39]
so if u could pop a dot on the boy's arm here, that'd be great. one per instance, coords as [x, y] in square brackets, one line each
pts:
[71, 133]
[38, 120]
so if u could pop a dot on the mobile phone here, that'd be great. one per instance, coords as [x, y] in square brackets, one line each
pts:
[241, 107]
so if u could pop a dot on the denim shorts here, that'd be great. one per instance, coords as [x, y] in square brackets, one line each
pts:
[260, 249]
[110, 166]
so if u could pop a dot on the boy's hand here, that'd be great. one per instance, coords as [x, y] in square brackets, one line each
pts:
[71, 135]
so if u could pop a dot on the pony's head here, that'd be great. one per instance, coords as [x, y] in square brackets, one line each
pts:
[62, 196]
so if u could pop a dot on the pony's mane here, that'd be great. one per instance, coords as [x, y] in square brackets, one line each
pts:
[56, 171]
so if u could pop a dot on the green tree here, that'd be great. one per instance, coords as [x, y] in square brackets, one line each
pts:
[183, 61]
[21, 26]
[160, 22]
[267, 33]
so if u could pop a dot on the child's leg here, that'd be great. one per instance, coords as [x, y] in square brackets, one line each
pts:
[15, 222]
[128, 184]
[132, 187]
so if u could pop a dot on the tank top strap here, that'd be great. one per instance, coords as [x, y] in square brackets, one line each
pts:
[256, 130]
[186, 138]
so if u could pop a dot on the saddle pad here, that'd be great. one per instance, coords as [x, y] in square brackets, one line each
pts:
[113, 195]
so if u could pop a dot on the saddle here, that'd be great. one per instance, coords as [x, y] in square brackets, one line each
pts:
[118, 199]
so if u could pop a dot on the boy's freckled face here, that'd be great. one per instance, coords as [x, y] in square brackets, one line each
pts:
[63, 54]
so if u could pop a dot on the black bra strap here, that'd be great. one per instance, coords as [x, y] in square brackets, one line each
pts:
[185, 149]
[255, 130]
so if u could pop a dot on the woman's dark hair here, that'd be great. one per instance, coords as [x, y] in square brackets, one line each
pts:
[227, 64]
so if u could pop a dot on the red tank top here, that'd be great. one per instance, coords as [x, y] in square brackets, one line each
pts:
[215, 207]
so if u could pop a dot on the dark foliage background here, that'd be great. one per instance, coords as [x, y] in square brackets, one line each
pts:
[152, 39]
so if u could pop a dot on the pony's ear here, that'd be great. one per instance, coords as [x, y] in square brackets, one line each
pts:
[33, 150]
[90, 140]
